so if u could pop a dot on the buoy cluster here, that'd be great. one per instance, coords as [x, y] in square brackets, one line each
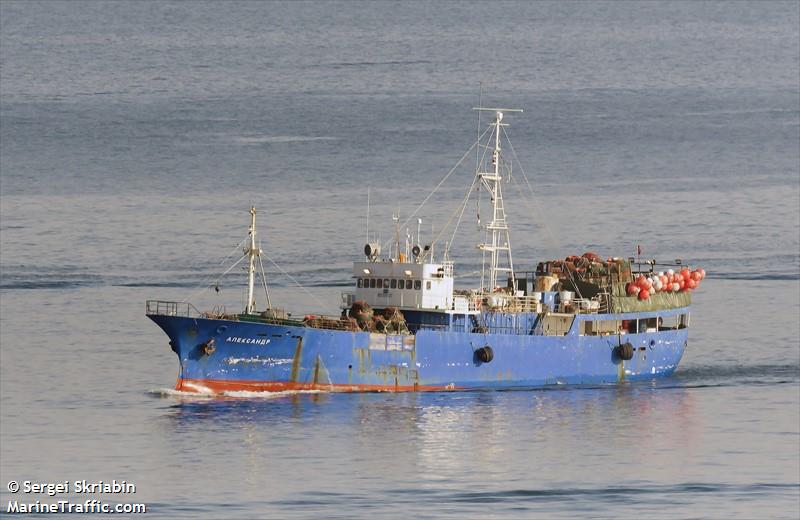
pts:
[665, 281]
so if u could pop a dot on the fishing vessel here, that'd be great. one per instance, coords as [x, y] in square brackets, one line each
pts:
[405, 326]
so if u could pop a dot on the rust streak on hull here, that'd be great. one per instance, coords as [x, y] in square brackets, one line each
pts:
[296, 360]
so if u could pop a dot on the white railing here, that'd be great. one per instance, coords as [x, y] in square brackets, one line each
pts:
[448, 269]
[163, 308]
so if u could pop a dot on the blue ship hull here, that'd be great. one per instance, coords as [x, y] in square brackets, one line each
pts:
[256, 356]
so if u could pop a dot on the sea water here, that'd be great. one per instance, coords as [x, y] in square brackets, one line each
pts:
[134, 136]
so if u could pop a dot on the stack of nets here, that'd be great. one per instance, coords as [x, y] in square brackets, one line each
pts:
[390, 321]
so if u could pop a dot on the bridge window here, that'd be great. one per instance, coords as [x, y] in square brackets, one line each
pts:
[417, 285]
[360, 282]
[386, 282]
[409, 284]
[394, 283]
[380, 283]
[372, 283]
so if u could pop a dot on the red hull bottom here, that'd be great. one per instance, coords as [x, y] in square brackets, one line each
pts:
[203, 386]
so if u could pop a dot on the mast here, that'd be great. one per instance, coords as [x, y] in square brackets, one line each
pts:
[396, 219]
[499, 248]
[253, 252]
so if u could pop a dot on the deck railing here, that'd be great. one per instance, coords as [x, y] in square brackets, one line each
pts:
[163, 308]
